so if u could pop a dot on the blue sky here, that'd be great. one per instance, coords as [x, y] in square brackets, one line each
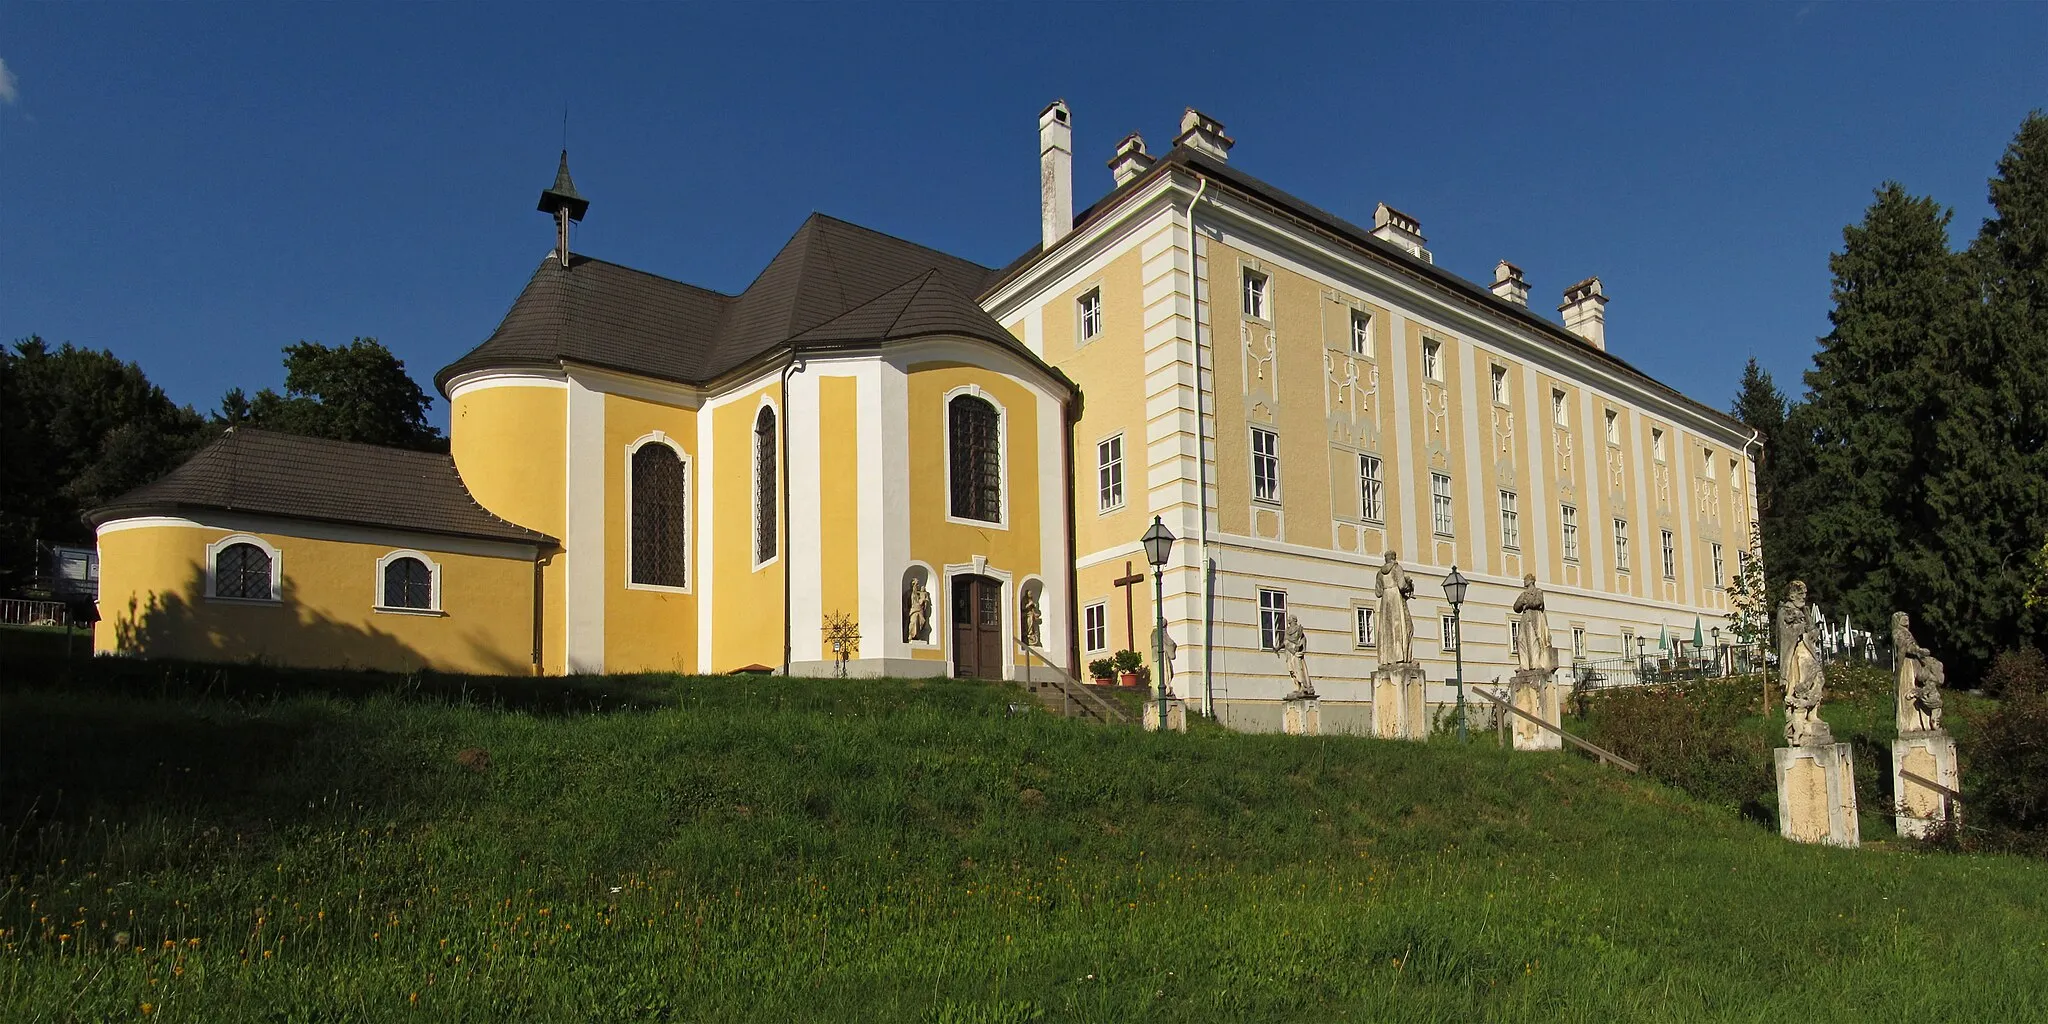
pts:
[196, 186]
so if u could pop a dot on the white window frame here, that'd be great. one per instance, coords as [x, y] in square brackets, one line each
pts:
[1628, 641]
[1670, 552]
[1613, 428]
[1372, 488]
[1720, 567]
[689, 510]
[1088, 313]
[1568, 518]
[1620, 545]
[1560, 410]
[1448, 639]
[1095, 627]
[1361, 333]
[1498, 380]
[1258, 295]
[1109, 493]
[1432, 360]
[1708, 454]
[1657, 443]
[213, 551]
[1270, 461]
[1578, 642]
[1272, 618]
[433, 584]
[1443, 510]
[1365, 631]
[1002, 522]
[1510, 521]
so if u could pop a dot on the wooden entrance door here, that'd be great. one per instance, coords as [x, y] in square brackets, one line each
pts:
[977, 627]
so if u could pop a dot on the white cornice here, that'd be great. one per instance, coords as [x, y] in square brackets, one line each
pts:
[311, 529]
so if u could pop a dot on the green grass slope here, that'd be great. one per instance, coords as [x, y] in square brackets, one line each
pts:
[193, 845]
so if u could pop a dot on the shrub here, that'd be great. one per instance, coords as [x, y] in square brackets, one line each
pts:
[2017, 673]
[1101, 668]
[1691, 738]
[2010, 766]
[1129, 661]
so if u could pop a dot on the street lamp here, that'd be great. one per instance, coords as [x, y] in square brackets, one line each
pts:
[1158, 543]
[1454, 592]
[1640, 644]
[1718, 669]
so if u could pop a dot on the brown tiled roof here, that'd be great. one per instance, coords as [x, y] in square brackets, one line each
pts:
[261, 472]
[833, 283]
[1471, 293]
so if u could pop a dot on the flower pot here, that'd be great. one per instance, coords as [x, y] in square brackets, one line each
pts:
[1129, 680]
[1102, 680]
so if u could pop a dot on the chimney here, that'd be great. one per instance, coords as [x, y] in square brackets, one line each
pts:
[1585, 312]
[1509, 284]
[1204, 135]
[1130, 160]
[1391, 225]
[1055, 172]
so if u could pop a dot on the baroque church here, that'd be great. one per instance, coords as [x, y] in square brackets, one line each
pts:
[880, 459]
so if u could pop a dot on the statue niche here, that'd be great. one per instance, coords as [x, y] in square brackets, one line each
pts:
[917, 606]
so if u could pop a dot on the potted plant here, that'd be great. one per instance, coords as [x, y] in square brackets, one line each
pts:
[1101, 670]
[1127, 665]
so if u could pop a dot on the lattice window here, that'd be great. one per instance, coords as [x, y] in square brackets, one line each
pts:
[1371, 489]
[974, 430]
[242, 571]
[1272, 618]
[660, 517]
[766, 541]
[1570, 518]
[408, 583]
[1265, 465]
[1109, 471]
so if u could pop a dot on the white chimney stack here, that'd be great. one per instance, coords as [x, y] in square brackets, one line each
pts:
[1585, 312]
[1391, 225]
[1130, 160]
[1509, 284]
[1055, 172]
[1204, 135]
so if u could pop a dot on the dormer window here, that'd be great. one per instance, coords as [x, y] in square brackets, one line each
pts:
[1091, 314]
[1257, 299]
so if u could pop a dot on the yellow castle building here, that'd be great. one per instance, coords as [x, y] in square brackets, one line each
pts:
[957, 462]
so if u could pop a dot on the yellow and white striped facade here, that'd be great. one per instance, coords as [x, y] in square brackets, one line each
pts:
[1175, 337]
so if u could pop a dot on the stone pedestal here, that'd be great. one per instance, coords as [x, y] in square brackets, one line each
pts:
[1398, 710]
[1817, 795]
[1176, 715]
[1301, 716]
[1535, 692]
[1930, 755]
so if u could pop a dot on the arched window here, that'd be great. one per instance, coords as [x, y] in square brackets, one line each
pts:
[660, 517]
[408, 583]
[765, 540]
[974, 437]
[242, 571]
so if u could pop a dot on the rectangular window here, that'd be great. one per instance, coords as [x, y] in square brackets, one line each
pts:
[1628, 643]
[1091, 314]
[1569, 516]
[1370, 490]
[1265, 465]
[1440, 503]
[1500, 385]
[1448, 629]
[1707, 459]
[1558, 415]
[1366, 636]
[1613, 427]
[1656, 444]
[1095, 627]
[1432, 359]
[1510, 520]
[1109, 474]
[1257, 303]
[1578, 642]
[1514, 633]
[1735, 475]
[1361, 334]
[1272, 618]
[1621, 545]
[1670, 556]
[1714, 549]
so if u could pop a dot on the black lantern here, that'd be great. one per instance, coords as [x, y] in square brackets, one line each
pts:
[1158, 543]
[1454, 592]
[1454, 587]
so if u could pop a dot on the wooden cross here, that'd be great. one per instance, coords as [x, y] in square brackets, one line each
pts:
[1129, 582]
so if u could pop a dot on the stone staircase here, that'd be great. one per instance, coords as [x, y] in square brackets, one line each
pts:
[1064, 695]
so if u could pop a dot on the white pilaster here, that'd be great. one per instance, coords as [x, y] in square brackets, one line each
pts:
[584, 573]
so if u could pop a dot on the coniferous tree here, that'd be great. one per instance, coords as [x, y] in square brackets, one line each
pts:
[1780, 449]
[1883, 387]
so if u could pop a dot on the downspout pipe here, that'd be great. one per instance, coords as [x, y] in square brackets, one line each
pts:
[1202, 470]
[795, 365]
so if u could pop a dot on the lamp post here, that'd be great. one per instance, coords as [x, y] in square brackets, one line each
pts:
[1454, 592]
[1641, 643]
[1718, 670]
[1158, 543]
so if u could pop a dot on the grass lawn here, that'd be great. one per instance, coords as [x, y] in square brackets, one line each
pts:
[198, 844]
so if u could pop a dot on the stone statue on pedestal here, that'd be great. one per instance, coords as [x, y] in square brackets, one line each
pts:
[917, 612]
[1032, 618]
[1396, 627]
[1799, 664]
[1294, 652]
[1533, 652]
[1920, 680]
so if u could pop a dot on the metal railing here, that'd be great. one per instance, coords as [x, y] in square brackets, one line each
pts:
[18, 611]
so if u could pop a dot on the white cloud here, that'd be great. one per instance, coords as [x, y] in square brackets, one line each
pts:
[7, 90]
